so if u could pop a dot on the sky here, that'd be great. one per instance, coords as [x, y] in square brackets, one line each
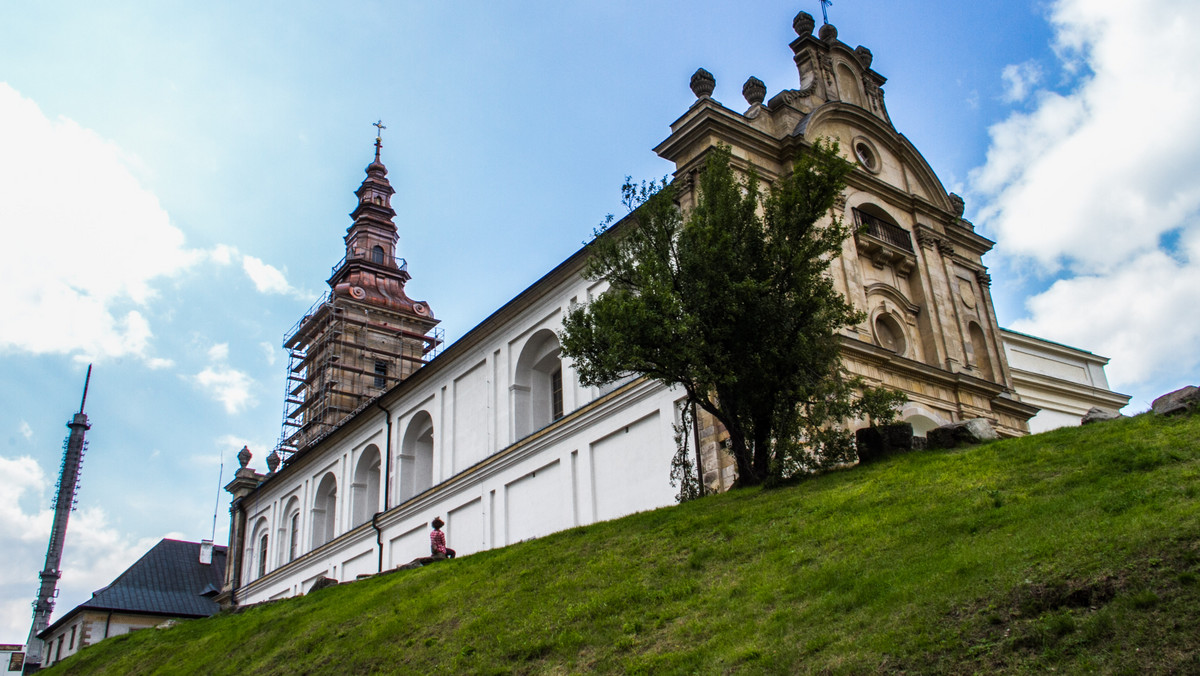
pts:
[175, 180]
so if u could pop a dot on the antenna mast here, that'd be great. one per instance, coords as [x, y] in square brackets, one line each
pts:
[64, 504]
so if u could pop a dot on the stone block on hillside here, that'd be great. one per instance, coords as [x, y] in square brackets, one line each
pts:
[1095, 414]
[973, 431]
[1180, 401]
[321, 583]
[873, 443]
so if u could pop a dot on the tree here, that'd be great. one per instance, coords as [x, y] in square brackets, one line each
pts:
[733, 303]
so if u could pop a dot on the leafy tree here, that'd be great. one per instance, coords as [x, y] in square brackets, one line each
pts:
[733, 302]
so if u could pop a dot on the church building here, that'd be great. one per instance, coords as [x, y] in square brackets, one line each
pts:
[496, 434]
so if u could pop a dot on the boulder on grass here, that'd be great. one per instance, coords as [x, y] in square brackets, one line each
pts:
[973, 431]
[1182, 400]
[1095, 414]
[874, 443]
[321, 583]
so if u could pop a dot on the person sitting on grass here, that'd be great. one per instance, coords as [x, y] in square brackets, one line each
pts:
[437, 541]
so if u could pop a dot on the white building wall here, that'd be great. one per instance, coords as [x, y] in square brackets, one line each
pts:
[492, 489]
[1065, 382]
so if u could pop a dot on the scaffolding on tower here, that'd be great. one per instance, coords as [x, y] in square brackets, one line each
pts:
[338, 363]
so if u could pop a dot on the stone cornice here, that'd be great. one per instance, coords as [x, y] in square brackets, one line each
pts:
[1065, 388]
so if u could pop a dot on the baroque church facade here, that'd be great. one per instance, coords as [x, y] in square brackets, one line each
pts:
[497, 435]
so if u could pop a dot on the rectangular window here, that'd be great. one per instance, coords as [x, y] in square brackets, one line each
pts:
[72, 645]
[556, 395]
[381, 369]
[262, 556]
[294, 537]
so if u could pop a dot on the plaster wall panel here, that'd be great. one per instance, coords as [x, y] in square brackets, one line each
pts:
[470, 417]
[628, 467]
[537, 504]
[464, 528]
[409, 545]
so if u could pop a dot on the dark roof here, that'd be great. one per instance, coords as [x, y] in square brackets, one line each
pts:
[168, 580]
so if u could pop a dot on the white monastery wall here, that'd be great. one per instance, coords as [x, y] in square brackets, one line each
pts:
[474, 445]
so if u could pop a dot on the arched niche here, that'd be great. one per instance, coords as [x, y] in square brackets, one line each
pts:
[289, 532]
[324, 510]
[848, 85]
[364, 491]
[416, 456]
[256, 562]
[537, 384]
[980, 354]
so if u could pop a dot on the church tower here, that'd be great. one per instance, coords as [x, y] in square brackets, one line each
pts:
[365, 335]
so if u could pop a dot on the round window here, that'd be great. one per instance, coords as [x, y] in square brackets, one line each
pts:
[866, 156]
[888, 334]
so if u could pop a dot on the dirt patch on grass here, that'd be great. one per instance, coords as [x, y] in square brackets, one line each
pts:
[1141, 618]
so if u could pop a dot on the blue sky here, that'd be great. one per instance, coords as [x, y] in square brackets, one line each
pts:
[175, 180]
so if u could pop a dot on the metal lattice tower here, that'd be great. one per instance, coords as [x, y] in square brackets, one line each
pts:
[64, 503]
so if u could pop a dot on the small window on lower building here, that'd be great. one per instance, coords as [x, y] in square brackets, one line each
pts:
[556, 395]
[381, 369]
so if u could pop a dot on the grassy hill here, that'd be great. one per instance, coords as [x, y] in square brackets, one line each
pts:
[1076, 550]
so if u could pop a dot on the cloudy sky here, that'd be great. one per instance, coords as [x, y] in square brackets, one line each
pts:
[175, 180]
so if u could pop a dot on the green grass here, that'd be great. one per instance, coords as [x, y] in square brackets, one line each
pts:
[1077, 550]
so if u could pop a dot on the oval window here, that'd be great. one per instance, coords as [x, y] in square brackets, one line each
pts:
[888, 334]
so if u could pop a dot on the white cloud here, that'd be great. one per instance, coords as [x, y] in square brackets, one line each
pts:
[222, 254]
[1100, 186]
[26, 430]
[157, 363]
[227, 385]
[224, 383]
[219, 352]
[94, 552]
[270, 351]
[1019, 80]
[266, 278]
[82, 243]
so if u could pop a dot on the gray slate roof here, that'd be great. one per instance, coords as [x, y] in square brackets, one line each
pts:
[168, 580]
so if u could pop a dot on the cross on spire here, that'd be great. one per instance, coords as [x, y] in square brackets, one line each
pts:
[824, 9]
[379, 126]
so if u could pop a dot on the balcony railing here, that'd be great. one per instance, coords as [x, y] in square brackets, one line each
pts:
[366, 256]
[884, 231]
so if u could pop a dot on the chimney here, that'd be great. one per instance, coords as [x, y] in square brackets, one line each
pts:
[206, 549]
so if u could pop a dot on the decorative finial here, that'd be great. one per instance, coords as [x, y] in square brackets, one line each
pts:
[754, 90]
[864, 56]
[703, 83]
[379, 126]
[957, 205]
[244, 456]
[273, 461]
[803, 24]
[828, 33]
[824, 9]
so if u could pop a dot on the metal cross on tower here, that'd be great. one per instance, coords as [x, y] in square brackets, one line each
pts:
[379, 127]
[824, 9]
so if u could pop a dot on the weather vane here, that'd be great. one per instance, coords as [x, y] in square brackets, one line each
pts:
[824, 9]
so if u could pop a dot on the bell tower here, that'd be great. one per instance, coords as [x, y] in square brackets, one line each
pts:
[365, 334]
